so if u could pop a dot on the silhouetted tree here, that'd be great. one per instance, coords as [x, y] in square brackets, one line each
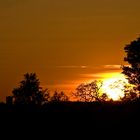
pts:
[129, 92]
[59, 97]
[89, 92]
[129, 96]
[29, 91]
[133, 58]
[103, 97]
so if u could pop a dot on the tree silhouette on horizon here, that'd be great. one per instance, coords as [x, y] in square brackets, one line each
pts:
[59, 97]
[29, 91]
[132, 71]
[90, 92]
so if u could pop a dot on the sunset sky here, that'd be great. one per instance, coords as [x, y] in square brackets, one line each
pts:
[66, 42]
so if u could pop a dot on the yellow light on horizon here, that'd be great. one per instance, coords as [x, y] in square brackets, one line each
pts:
[114, 85]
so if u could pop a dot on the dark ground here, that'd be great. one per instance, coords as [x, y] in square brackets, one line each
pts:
[71, 117]
[99, 114]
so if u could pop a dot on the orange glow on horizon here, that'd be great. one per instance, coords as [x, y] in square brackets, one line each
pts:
[108, 78]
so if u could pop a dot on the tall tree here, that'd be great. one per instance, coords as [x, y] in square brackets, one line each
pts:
[29, 91]
[133, 58]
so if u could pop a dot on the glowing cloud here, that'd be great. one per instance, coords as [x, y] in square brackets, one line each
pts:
[72, 67]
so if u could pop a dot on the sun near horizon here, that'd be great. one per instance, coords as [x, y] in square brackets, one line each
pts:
[63, 41]
[114, 85]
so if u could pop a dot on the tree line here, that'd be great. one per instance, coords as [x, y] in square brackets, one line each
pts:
[29, 90]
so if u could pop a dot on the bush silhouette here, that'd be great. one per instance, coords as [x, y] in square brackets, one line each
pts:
[59, 97]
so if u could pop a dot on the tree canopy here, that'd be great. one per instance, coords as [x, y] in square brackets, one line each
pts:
[132, 71]
[29, 91]
[90, 92]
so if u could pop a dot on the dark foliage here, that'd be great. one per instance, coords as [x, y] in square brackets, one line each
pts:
[29, 91]
[59, 97]
[90, 92]
[133, 58]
